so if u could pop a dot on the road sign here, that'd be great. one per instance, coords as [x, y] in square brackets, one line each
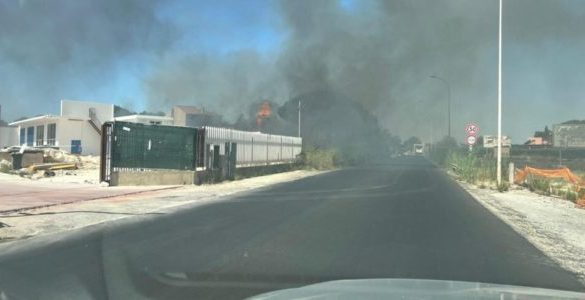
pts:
[471, 140]
[472, 129]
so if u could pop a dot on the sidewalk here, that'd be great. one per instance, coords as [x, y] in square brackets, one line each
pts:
[58, 218]
[553, 225]
[18, 194]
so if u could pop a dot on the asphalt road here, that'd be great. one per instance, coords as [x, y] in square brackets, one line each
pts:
[405, 219]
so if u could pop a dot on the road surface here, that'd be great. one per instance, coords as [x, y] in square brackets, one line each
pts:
[405, 219]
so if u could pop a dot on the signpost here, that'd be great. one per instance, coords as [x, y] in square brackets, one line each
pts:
[472, 131]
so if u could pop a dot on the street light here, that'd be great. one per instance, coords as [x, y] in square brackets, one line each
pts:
[499, 155]
[299, 118]
[448, 101]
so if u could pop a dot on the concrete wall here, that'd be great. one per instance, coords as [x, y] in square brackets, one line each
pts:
[8, 136]
[80, 110]
[159, 177]
[31, 158]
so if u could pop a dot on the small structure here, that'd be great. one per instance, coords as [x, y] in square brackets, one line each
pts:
[191, 116]
[541, 138]
[491, 142]
[570, 134]
[76, 130]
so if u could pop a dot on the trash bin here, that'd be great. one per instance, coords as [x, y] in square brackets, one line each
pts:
[17, 160]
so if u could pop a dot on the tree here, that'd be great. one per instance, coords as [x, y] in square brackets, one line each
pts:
[409, 143]
[120, 111]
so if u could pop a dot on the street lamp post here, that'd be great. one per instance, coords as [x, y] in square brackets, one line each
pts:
[448, 101]
[499, 155]
[299, 121]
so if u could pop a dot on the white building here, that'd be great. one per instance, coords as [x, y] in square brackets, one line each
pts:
[77, 129]
[8, 136]
[147, 119]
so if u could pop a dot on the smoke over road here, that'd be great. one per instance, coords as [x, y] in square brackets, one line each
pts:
[378, 54]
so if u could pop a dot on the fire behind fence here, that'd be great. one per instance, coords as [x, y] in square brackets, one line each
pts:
[138, 147]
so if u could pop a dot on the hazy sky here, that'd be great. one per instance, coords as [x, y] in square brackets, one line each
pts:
[226, 54]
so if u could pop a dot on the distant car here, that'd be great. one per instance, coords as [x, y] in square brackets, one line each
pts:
[419, 149]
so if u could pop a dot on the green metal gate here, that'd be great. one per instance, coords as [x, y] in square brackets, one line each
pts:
[133, 146]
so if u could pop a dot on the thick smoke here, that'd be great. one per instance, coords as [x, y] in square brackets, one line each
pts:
[381, 53]
[377, 53]
[57, 49]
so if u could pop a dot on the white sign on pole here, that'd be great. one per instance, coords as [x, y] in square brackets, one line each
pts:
[471, 140]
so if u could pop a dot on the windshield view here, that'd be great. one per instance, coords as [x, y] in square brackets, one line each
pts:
[292, 149]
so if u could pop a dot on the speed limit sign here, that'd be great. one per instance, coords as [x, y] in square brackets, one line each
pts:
[471, 140]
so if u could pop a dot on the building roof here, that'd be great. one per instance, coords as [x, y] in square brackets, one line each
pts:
[148, 117]
[37, 118]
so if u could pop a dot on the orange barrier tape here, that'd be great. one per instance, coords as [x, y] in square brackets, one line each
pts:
[563, 173]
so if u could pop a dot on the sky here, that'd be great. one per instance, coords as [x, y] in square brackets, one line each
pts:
[225, 54]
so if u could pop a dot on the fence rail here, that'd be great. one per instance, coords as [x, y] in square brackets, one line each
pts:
[138, 147]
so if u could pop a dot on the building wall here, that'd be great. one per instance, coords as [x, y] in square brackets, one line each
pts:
[67, 129]
[80, 110]
[569, 135]
[35, 123]
[8, 136]
[179, 116]
[77, 129]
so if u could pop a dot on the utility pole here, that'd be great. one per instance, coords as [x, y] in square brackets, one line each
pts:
[499, 155]
[299, 118]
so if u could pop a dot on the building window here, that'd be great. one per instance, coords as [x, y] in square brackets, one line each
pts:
[30, 135]
[40, 135]
[51, 134]
[22, 136]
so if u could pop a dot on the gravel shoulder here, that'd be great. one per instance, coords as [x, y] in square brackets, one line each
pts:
[553, 225]
[59, 218]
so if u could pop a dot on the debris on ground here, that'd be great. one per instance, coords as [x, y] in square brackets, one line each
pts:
[50, 164]
[53, 167]
[5, 166]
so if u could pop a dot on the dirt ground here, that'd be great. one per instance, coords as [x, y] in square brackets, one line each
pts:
[553, 225]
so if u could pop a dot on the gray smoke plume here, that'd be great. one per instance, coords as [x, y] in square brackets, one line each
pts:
[381, 53]
[57, 49]
[378, 53]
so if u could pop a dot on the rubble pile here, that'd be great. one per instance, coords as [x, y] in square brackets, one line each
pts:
[38, 163]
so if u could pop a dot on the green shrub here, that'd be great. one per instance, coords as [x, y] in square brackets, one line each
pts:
[571, 195]
[536, 184]
[320, 159]
[471, 167]
[503, 187]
